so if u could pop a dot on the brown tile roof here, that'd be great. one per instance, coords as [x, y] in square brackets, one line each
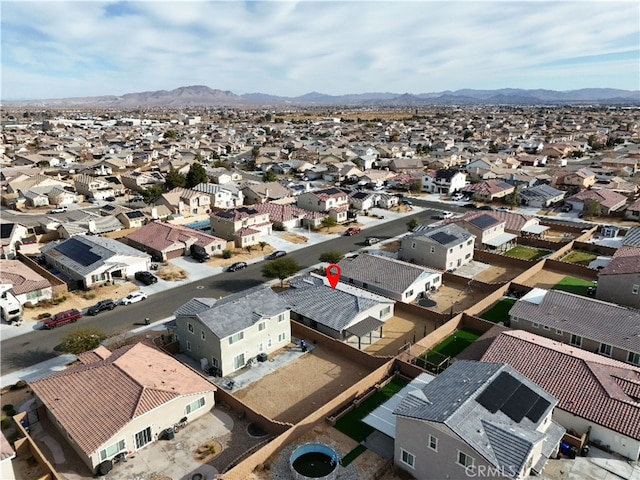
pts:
[597, 388]
[95, 400]
[168, 237]
[280, 213]
[22, 278]
[625, 260]
[607, 198]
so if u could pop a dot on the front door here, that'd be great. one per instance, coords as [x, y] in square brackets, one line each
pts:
[143, 438]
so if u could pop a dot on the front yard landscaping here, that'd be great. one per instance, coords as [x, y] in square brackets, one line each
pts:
[575, 285]
[579, 257]
[500, 311]
[526, 253]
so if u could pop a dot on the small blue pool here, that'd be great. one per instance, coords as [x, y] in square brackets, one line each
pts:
[313, 461]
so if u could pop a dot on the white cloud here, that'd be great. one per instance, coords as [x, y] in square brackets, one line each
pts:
[290, 48]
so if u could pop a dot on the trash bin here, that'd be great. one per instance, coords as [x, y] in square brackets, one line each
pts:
[585, 451]
[169, 433]
[262, 357]
[573, 452]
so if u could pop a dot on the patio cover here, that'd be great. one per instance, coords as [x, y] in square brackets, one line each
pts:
[363, 327]
[535, 229]
[382, 418]
[499, 240]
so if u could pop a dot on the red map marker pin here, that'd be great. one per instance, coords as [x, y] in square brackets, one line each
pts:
[333, 274]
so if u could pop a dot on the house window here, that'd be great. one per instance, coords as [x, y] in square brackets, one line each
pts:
[281, 318]
[535, 325]
[143, 437]
[433, 249]
[112, 450]
[635, 289]
[385, 311]
[203, 336]
[238, 361]
[236, 338]
[269, 343]
[465, 460]
[262, 326]
[408, 294]
[408, 458]
[546, 327]
[576, 340]
[466, 257]
[605, 349]
[35, 294]
[281, 337]
[558, 332]
[188, 346]
[433, 443]
[193, 406]
[190, 327]
[469, 242]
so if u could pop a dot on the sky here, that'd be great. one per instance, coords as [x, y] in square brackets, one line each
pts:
[59, 49]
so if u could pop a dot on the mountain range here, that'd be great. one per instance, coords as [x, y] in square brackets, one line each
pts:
[203, 96]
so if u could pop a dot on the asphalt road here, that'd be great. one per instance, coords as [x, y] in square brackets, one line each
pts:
[34, 347]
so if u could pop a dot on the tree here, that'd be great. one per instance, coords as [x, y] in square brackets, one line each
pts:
[412, 224]
[262, 245]
[494, 148]
[196, 175]
[328, 222]
[415, 187]
[82, 340]
[248, 248]
[269, 176]
[151, 194]
[331, 256]
[280, 268]
[174, 179]
[591, 208]
[467, 134]
[514, 198]
[255, 152]
[172, 134]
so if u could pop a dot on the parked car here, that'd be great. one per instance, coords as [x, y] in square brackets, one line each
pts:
[457, 196]
[58, 210]
[407, 202]
[445, 215]
[372, 240]
[147, 278]
[469, 205]
[101, 306]
[137, 199]
[485, 207]
[237, 266]
[199, 253]
[134, 297]
[567, 207]
[62, 318]
[276, 254]
[110, 199]
[353, 231]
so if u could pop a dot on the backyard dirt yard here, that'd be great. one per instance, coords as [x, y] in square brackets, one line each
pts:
[396, 332]
[295, 391]
[497, 275]
[459, 298]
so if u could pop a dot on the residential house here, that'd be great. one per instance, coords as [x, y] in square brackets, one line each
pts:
[487, 229]
[362, 201]
[34, 199]
[164, 241]
[619, 281]
[593, 325]
[228, 333]
[136, 181]
[121, 401]
[386, 276]
[489, 190]
[186, 202]
[222, 176]
[609, 201]
[342, 312]
[27, 285]
[633, 211]
[472, 419]
[221, 196]
[267, 192]
[283, 217]
[93, 187]
[631, 163]
[332, 201]
[342, 172]
[445, 247]
[245, 225]
[541, 196]
[596, 395]
[93, 260]
[12, 236]
[132, 218]
[580, 179]
[444, 181]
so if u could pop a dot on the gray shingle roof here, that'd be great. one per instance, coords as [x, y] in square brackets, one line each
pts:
[452, 399]
[236, 312]
[383, 272]
[632, 237]
[589, 318]
[543, 191]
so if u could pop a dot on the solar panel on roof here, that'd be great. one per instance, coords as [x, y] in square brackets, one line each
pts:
[518, 404]
[483, 221]
[498, 392]
[538, 409]
[443, 238]
[5, 230]
[78, 252]
[225, 214]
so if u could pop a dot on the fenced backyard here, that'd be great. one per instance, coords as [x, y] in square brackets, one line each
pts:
[500, 311]
[439, 358]
[527, 253]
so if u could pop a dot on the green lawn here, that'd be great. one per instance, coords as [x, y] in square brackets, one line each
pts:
[500, 311]
[526, 253]
[449, 347]
[351, 425]
[574, 285]
[579, 257]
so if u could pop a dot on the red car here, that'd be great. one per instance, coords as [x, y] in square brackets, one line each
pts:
[62, 318]
[353, 231]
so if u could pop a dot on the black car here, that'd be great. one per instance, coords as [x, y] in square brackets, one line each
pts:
[469, 205]
[486, 207]
[276, 254]
[237, 266]
[147, 278]
[101, 306]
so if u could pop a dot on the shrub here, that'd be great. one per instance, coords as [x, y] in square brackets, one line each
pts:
[226, 253]
[8, 407]
[28, 305]
[44, 315]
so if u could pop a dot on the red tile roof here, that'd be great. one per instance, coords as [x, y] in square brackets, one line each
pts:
[95, 400]
[22, 278]
[597, 388]
[168, 237]
[625, 260]
[607, 198]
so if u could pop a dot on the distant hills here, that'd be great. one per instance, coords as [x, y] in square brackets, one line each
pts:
[203, 96]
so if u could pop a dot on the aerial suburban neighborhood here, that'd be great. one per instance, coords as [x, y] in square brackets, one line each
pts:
[485, 324]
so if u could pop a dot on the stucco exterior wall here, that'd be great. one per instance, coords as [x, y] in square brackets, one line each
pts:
[620, 289]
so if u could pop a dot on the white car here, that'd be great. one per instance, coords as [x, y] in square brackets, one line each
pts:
[59, 210]
[134, 297]
[445, 215]
[457, 196]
